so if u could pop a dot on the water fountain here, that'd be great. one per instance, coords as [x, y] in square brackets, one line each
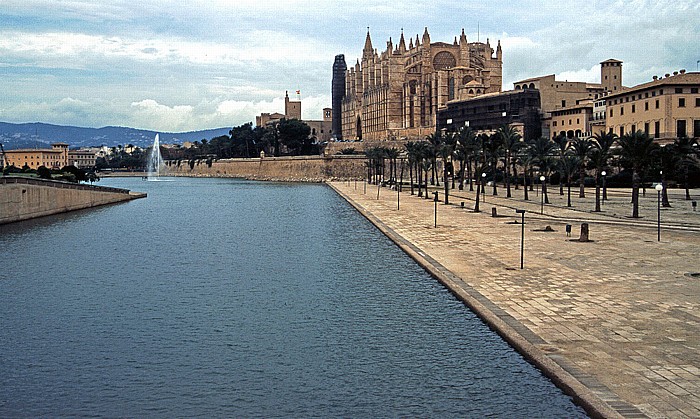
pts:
[155, 160]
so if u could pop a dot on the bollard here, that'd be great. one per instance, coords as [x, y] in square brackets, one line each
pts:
[584, 233]
[494, 212]
[568, 230]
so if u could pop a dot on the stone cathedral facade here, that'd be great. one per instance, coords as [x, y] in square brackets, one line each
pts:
[395, 94]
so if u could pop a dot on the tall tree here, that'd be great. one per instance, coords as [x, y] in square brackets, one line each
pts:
[510, 140]
[637, 151]
[581, 147]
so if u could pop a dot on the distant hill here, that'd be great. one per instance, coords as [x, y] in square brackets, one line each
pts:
[38, 135]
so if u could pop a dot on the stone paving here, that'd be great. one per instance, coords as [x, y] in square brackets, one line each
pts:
[619, 316]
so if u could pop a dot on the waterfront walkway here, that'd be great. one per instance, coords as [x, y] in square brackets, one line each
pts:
[615, 321]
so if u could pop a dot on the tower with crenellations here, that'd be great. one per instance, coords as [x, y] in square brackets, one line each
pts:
[395, 94]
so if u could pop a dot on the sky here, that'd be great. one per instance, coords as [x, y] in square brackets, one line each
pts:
[175, 66]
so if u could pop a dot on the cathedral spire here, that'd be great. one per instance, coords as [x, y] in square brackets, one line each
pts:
[410, 43]
[426, 37]
[417, 41]
[368, 43]
[402, 43]
[463, 38]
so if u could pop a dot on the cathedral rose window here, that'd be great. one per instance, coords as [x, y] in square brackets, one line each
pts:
[444, 60]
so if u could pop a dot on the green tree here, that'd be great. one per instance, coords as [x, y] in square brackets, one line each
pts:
[295, 135]
[636, 150]
[581, 147]
[510, 140]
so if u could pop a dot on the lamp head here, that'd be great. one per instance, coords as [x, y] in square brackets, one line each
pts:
[604, 173]
[542, 178]
[659, 187]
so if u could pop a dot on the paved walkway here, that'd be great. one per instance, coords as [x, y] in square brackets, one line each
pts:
[615, 321]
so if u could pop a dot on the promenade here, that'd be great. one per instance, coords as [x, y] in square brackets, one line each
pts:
[614, 321]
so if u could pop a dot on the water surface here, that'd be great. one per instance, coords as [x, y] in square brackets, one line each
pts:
[222, 297]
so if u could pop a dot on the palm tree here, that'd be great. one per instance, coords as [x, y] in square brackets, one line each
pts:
[686, 150]
[581, 148]
[636, 150]
[493, 148]
[569, 164]
[445, 152]
[542, 151]
[412, 152]
[604, 141]
[510, 140]
[562, 143]
[527, 161]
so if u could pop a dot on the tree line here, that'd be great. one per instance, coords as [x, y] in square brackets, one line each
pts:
[477, 160]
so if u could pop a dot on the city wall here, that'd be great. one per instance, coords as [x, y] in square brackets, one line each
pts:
[24, 198]
[294, 169]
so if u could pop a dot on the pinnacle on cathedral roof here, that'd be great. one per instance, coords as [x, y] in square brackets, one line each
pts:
[368, 42]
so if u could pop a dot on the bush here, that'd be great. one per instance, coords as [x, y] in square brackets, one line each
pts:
[44, 172]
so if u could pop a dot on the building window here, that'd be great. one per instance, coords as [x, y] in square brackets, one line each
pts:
[693, 90]
[611, 113]
[657, 128]
[697, 102]
[679, 90]
[657, 103]
[634, 107]
[577, 121]
[696, 128]
[646, 128]
[680, 128]
[634, 129]
[622, 110]
[563, 103]
[646, 106]
[622, 131]
[681, 102]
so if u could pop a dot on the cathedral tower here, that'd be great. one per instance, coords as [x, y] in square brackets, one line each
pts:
[337, 95]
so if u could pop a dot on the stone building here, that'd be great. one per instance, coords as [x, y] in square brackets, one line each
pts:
[55, 157]
[321, 129]
[395, 94]
[665, 108]
[558, 95]
[486, 113]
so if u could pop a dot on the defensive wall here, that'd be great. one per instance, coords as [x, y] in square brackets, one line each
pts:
[295, 169]
[24, 198]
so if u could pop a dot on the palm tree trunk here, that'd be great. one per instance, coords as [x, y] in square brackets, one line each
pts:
[515, 175]
[478, 188]
[469, 175]
[635, 194]
[561, 183]
[582, 181]
[664, 193]
[597, 193]
[410, 175]
[525, 185]
[685, 182]
[508, 175]
[568, 191]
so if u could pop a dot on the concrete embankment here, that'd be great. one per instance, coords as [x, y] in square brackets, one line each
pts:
[294, 169]
[25, 198]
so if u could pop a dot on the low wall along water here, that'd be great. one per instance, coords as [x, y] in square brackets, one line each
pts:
[25, 198]
[295, 169]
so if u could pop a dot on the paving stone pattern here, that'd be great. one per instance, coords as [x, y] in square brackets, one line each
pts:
[620, 314]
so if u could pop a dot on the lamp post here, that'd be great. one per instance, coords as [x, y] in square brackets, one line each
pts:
[483, 182]
[542, 201]
[659, 188]
[605, 192]
[522, 236]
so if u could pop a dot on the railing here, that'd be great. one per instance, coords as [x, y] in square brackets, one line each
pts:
[8, 180]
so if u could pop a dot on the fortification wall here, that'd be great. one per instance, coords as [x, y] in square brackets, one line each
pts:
[24, 198]
[295, 169]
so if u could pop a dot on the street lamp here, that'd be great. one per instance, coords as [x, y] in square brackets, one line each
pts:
[605, 193]
[483, 182]
[522, 236]
[659, 188]
[542, 204]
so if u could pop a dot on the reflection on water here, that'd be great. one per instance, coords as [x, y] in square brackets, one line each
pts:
[222, 297]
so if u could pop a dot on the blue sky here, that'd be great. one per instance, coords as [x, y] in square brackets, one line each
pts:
[190, 65]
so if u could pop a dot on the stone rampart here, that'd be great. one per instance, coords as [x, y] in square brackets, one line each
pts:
[296, 169]
[24, 198]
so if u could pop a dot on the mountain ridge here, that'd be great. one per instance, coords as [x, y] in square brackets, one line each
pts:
[39, 134]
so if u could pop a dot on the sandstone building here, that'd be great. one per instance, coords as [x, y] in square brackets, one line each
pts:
[56, 157]
[665, 108]
[395, 94]
[321, 129]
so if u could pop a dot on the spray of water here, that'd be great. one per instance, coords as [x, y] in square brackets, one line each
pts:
[155, 159]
